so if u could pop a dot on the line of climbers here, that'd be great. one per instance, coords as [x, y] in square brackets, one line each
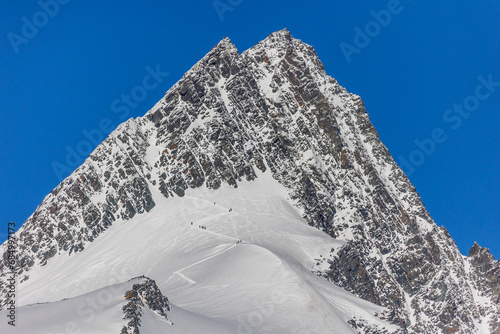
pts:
[200, 226]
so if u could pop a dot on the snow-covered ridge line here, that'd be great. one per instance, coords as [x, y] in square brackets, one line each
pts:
[118, 308]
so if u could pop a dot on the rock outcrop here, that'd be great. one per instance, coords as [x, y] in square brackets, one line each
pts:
[145, 295]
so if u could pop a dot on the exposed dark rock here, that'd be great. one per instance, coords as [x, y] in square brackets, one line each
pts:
[145, 295]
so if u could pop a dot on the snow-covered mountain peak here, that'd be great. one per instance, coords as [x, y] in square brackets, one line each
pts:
[280, 35]
[273, 155]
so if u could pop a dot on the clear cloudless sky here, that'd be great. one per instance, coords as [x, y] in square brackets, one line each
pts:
[64, 77]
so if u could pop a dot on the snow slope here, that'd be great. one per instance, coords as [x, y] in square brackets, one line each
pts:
[215, 285]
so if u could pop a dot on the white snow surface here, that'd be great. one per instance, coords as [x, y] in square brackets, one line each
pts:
[264, 284]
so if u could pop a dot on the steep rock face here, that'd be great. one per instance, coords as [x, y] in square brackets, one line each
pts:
[274, 108]
[484, 274]
[144, 295]
[111, 184]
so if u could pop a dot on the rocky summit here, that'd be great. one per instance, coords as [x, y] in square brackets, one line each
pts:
[232, 120]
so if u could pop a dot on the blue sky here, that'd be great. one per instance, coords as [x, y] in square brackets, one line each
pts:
[428, 73]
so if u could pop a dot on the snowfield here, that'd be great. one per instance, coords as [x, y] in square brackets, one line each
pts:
[215, 284]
